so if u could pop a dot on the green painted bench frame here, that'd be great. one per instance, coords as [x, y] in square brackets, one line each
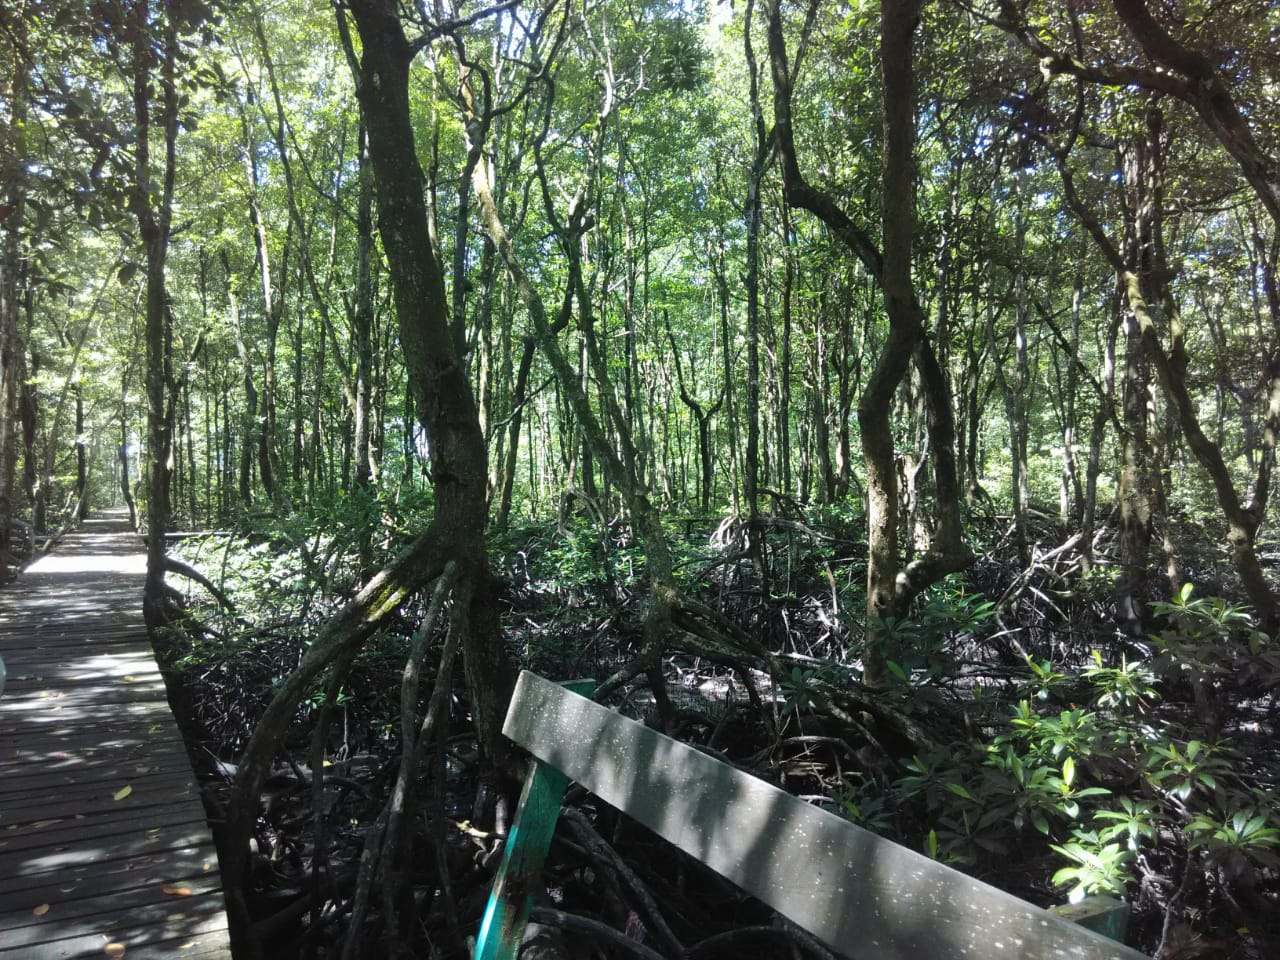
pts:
[860, 894]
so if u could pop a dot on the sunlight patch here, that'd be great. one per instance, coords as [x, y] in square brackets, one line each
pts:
[89, 563]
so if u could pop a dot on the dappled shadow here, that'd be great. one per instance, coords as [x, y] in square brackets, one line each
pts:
[102, 833]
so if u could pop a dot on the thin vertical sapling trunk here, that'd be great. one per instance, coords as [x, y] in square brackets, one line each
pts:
[763, 148]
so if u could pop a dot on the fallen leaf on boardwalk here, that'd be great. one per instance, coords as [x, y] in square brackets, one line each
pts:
[41, 910]
[122, 793]
[129, 679]
[176, 891]
[114, 949]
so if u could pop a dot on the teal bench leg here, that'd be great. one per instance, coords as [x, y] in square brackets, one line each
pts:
[507, 912]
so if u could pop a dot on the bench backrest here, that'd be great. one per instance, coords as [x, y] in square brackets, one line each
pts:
[859, 893]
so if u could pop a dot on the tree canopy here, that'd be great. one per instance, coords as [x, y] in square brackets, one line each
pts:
[871, 356]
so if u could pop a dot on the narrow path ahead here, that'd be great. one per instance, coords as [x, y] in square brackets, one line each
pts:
[104, 849]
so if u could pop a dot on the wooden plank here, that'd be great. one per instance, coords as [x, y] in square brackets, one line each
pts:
[68, 831]
[201, 945]
[68, 767]
[165, 789]
[73, 858]
[87, 715]
[144, 933]
[71, 696]
[132, 667]
[857, 892]
[118, 741]
[22, 890]
[519, 874]
[67, 902]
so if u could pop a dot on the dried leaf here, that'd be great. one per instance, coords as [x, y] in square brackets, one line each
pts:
[41, 910]
[122, 793]
[176, 891]
[114, 949]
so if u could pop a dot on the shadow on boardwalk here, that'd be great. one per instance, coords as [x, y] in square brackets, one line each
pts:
[103, 839]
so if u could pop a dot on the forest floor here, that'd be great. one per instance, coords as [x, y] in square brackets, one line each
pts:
[1056, 758]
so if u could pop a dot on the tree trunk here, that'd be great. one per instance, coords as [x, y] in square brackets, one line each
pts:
[362, 324]
[890, 587]
[153, 206]
[1135, 279]
[29, 414]
[82, 457]
[442, 395]
[13, 271]
[755, 216]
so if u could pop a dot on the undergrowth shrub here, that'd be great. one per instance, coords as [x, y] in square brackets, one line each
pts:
[1095, 765]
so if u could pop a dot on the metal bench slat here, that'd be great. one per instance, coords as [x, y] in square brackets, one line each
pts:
[861, 894]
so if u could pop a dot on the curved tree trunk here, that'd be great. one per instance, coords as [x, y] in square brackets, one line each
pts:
[890, 587]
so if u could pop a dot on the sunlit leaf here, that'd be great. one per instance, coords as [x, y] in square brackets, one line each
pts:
[122, 793]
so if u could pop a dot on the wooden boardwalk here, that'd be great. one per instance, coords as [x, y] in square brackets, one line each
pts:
[104, 849]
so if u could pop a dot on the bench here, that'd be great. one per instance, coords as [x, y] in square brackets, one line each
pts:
[858, 893]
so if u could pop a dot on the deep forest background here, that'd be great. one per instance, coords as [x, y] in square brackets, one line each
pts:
[885, 400]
